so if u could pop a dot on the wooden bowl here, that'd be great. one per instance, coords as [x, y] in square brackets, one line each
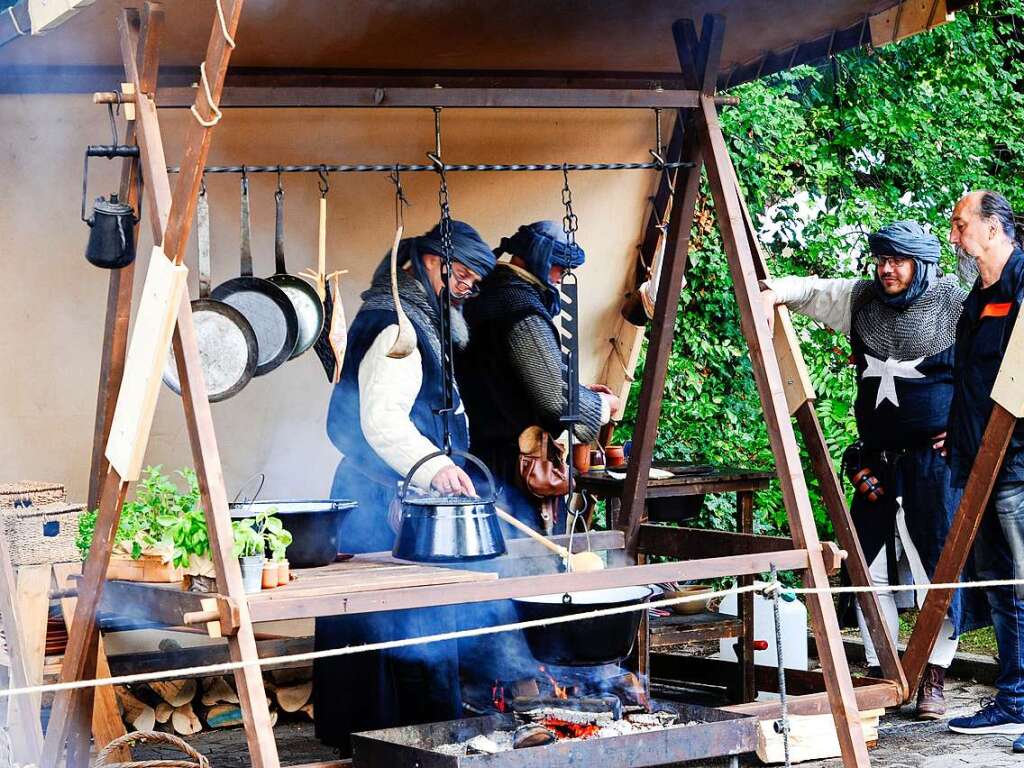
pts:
[690, 607]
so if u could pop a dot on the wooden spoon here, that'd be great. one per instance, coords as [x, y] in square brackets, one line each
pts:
[579, 561]
[405, 343]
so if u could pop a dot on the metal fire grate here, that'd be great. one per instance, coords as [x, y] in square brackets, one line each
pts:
[711, 733]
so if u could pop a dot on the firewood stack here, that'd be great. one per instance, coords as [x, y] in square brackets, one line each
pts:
[190, 705]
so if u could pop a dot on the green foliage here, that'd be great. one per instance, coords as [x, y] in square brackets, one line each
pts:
[254, 534]
[875, 136]
[161, 518]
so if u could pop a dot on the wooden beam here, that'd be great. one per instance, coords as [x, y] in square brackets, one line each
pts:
[780, 434]
[959, 541]
[659, 349]
[687, 543]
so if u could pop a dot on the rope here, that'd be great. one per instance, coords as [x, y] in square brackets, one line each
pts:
[217, 114]
[216, 669]
[782, 724]
[14, 21]
[224, 27]
[399, 167]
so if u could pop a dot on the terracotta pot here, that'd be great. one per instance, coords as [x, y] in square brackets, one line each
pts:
[269, 575]
[282, 572]
[581, 457]
[615, 456]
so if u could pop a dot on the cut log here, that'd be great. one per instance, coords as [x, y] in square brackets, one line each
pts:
[292, 698]
[163, 712]
[217, 691]
[139, 715]
[177, 693]
[811, 737]
[273, 718]
[224, 716]
[184, 721]
[308, 710]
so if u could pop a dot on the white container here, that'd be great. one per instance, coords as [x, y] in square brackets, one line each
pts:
[793, 617]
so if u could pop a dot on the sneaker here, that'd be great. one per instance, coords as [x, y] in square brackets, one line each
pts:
[931, 703]
[991, 718]
[1018, 745]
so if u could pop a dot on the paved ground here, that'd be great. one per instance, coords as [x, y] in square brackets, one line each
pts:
[903, 742]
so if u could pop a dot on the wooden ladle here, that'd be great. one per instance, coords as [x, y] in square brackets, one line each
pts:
[405, 343]
[578, 561]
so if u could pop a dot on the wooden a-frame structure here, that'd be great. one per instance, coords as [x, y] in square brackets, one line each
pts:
[777, 366]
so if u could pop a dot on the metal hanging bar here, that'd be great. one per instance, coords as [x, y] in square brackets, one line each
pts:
[413, 168]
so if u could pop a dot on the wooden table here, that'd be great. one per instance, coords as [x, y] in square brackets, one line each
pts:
[680, 498]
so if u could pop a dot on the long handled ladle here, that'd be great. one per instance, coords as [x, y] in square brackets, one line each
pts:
[405, 343]
[578, 561]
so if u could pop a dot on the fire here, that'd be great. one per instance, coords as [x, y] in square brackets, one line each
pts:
[566, 730]
[560, 692]
[498, 697]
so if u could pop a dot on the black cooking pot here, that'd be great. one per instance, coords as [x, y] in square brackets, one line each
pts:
[313, 525]
[589, 641]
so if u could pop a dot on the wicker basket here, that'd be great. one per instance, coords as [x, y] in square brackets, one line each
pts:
[31, 494]
[42, 535]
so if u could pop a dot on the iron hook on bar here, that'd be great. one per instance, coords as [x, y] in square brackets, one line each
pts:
[323, 183]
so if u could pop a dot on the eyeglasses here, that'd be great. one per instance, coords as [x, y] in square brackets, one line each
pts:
[896, 261]
[466, 283]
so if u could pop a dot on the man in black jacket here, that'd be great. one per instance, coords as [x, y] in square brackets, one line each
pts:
[983, 231]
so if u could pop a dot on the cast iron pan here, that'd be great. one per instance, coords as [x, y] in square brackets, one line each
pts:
[227, 343]
[264, 304]
[309, 310]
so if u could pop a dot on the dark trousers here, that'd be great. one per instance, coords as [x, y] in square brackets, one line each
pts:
[999, 554]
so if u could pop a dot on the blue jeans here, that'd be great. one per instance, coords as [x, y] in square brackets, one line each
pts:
[999, 554]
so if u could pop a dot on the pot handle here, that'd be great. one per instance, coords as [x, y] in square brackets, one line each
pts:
[412, 472]
[279, 232]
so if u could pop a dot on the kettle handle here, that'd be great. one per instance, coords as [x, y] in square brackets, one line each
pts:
[465, 454]
[117, 150]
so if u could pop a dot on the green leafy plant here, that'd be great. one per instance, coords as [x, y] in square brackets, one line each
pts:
[252, 535]
[278, 538]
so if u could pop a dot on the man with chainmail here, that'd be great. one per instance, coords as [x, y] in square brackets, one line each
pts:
[383, 419]
[511, 372]
[902, 328]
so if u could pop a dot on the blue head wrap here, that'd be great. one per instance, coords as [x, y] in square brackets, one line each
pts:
[909, 240]
[543, 245]
[468, 248]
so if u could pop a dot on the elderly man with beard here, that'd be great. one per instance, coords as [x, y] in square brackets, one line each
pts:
[986, 238]
[901, 326]
[383, 419]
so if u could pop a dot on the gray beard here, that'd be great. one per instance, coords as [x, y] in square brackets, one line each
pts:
[460, 330]
[966, 268]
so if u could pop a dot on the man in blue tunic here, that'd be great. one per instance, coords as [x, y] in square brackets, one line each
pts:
[902, 327]
[383, 418]
[985, 235]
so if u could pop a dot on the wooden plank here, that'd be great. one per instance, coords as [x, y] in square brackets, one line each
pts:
[959, 540]
[795, 378]
[780, 433]
[873, 696]
[354, 585]
[688, 543]
[745, 604]
[33, 612]
[811, 737]
[1008, 390]
[525, 586]
[23, 718]
[660, 346]
[144, 366]
[906, 19]
[107, 724]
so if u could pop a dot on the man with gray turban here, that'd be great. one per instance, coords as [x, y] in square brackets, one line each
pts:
[902, 328]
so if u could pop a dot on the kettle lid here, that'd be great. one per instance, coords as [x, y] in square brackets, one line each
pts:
[112, 207]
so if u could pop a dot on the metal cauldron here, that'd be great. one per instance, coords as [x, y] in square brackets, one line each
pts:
[445, 529]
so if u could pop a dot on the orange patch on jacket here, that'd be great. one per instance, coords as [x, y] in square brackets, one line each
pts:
[996, 310]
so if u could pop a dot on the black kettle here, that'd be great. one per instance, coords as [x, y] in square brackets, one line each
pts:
[112, 224]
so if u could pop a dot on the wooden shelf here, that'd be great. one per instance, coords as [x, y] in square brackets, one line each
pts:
[667, 631]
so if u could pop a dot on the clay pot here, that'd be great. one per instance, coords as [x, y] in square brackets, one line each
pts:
[581, 457]
[269, 575]
[615, 456]
[282, 572]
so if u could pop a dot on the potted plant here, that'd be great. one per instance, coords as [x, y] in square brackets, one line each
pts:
[278, 539]
[249, 547]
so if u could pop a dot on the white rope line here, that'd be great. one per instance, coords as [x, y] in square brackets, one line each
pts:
[214, 109]
[231, 666]
[224, 26]
[14, 21]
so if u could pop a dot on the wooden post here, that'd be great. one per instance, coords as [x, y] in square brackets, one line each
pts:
[781, 435]
[634, 490]
[747, 687]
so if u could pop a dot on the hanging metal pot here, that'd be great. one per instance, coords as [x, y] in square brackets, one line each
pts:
[444, 529]
[112, 224]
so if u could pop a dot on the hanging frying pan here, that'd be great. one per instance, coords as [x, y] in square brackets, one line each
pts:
[309, 308]
[227, 343]
[264, 304]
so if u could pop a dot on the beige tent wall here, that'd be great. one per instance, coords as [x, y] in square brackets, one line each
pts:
[54, 301]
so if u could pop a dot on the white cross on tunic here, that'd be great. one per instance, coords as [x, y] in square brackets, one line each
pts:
[887, 372]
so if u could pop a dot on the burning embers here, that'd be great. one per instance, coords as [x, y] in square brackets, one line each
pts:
[568, 703]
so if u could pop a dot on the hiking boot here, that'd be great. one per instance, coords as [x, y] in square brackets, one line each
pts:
[931, 704]
[991, 718]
